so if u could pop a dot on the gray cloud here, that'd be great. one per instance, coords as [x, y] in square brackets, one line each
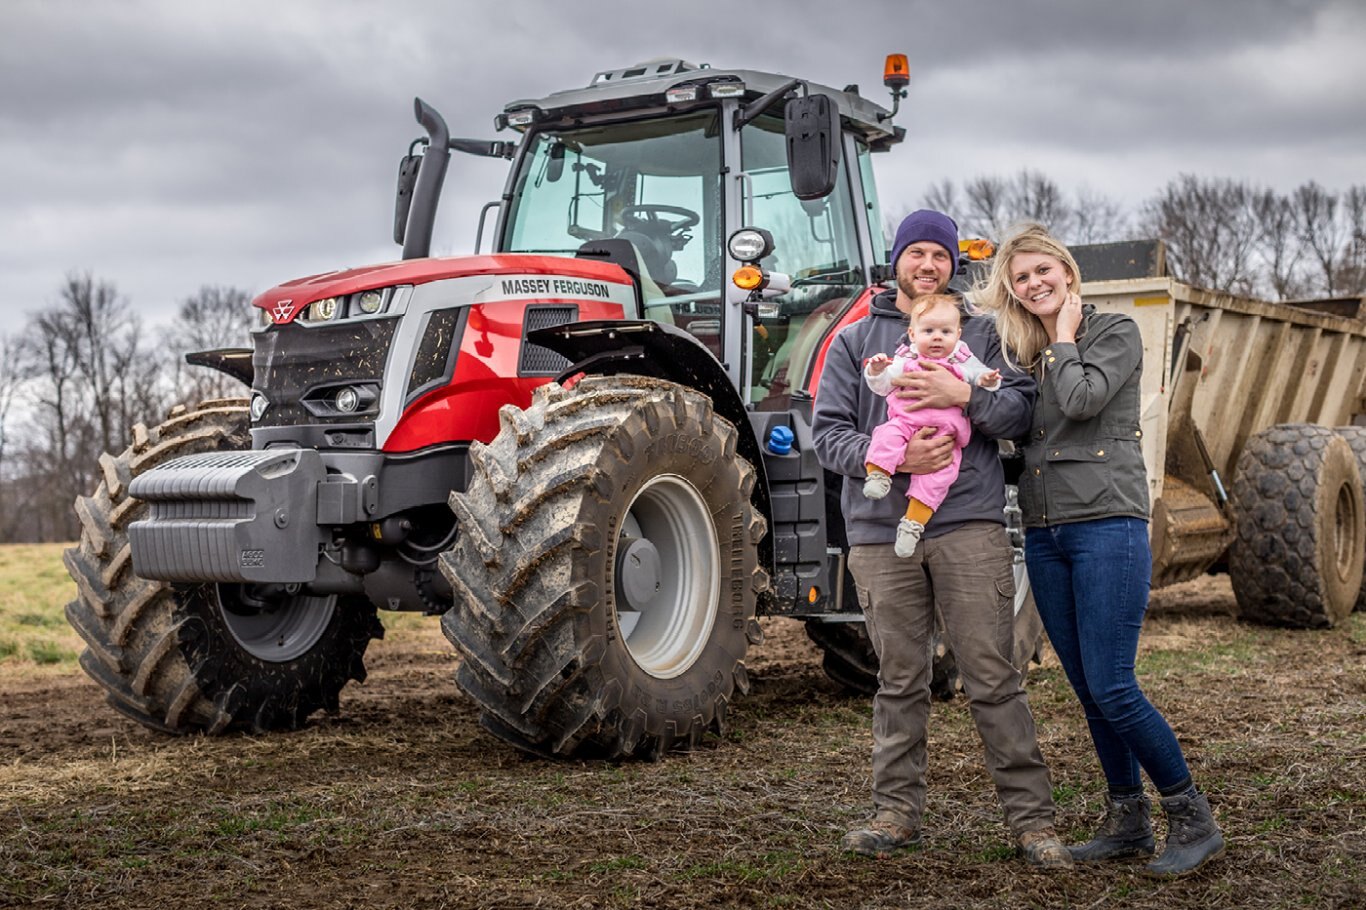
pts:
[167, 145]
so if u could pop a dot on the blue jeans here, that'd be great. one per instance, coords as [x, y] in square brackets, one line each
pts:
[1090, 581]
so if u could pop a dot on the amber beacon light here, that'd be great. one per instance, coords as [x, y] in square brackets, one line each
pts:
[896, 74]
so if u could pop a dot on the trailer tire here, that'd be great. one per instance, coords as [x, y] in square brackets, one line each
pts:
[171, 657]
[1297, 556]
[1356, 438]
[621, 492]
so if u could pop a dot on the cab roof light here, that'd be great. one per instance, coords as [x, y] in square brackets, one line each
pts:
[682, 93]
[521, 119]
[896, 74]
[726, 89]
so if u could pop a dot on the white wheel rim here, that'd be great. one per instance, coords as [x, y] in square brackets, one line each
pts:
[669, 633]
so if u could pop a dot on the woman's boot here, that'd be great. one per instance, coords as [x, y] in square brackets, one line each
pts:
[1126, 831]
[1193, 836]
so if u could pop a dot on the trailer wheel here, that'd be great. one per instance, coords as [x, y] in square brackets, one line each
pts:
[197, 659]
[1356, 438]
[606, 570]
[1300, 545]
[847, 652]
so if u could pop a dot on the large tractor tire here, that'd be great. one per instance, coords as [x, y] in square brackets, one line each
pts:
[1356, 438]
[1300, 525]
[606, 570]
[848, 656]
[195, 658]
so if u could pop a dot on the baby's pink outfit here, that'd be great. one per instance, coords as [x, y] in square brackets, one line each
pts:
[888, 447]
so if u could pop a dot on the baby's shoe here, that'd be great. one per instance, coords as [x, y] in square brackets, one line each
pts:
[877, 485]
[908, 536]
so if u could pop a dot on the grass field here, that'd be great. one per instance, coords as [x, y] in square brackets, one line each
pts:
[34, 587]
[402, 800]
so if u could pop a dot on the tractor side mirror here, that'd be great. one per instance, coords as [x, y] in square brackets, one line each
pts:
[554, 168]
[812, 127]
[403, 201]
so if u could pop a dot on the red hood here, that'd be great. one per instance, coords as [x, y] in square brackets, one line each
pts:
[289, 299]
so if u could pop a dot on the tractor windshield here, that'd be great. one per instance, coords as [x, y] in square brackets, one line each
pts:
[816, 243]
[654, 183]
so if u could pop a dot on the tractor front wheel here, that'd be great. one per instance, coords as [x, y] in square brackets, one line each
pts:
[606, 570]
[203, 658]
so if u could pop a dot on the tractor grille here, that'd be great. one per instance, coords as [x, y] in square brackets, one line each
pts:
[537, 360]
[292, 359]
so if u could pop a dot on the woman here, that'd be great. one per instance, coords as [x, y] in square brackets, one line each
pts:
[1084, 498]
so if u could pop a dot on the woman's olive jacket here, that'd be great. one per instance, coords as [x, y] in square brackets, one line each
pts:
[1084, 454]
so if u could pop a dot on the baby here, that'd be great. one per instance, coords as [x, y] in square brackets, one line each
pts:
[935, 336]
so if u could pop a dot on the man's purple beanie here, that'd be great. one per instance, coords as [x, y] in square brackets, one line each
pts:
[926, 224]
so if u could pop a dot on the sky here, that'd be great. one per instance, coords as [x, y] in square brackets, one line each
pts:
[164, 145]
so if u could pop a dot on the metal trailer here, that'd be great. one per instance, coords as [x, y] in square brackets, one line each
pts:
[1254, 439]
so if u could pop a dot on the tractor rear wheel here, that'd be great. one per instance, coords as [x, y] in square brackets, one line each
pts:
[1300, 546]
[1356, 438]
[201, 658]
[606, 570]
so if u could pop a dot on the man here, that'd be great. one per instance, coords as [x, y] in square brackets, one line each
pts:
[963, 561]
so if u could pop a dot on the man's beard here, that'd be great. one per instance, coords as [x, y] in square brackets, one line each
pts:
[907, 286]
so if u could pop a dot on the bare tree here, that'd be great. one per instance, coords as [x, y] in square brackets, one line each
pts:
[943, 197]
[1322, 232]
[1097, 218]
[988, 207]
[1353, 270]
[1210, 230]
[1278, 245]
[212, 319]
[11, 376]
[1031, 196]
[90, 378]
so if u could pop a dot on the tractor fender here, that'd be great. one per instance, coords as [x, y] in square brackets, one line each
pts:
[235, 362]
[606, 347]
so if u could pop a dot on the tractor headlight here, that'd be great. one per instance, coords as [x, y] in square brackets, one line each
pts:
[750, 244]
[347, 400]
[258, 406]
[323, 310]
[370, 302]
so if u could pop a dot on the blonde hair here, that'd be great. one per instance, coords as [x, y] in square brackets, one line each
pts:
[1022, 334]
[922, 305]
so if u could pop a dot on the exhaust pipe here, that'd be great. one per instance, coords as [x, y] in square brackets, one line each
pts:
[431, 174]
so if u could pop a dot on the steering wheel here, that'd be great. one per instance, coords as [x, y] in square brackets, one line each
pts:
[647, 218]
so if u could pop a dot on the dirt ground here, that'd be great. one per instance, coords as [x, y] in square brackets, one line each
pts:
[402, 801]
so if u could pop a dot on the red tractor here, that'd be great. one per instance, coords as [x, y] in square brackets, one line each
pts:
[589, 452]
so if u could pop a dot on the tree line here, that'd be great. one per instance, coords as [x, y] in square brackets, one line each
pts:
[83, 372]
[1219, 233]
[76, 379]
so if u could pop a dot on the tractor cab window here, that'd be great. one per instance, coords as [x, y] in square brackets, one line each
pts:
[655, 184]
[817, 245]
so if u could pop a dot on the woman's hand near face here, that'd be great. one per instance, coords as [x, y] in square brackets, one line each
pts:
[1069, 320]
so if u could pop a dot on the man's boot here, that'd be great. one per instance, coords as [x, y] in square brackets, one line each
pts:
[1126, 831]
[1193, 836]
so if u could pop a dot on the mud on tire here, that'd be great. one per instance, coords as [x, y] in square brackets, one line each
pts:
[172, 658]
[1297, 556]
[563, 647]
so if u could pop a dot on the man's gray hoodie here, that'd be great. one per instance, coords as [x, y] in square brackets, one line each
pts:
[847, 411]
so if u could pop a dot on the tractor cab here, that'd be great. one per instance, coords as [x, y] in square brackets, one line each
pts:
[654, 166]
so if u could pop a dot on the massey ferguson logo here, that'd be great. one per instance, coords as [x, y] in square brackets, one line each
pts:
[282, 310]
